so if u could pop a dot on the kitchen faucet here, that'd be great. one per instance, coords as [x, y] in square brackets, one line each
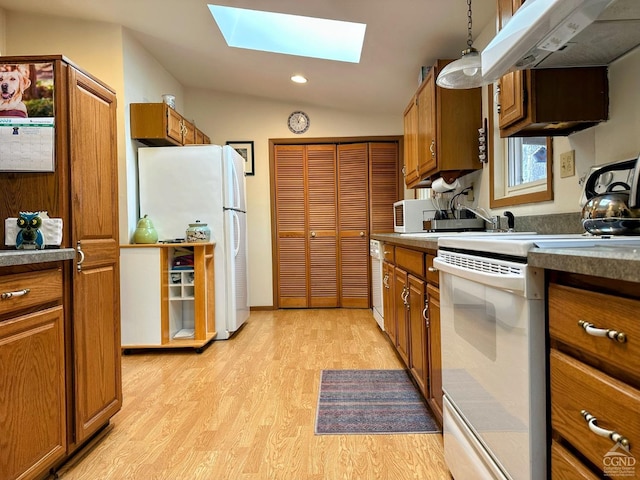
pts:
[494, 221]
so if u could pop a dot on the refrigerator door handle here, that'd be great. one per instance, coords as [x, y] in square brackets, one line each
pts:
[236, 237]
[236, 184]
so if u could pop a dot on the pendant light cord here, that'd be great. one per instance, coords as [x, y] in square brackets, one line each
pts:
[469, 25]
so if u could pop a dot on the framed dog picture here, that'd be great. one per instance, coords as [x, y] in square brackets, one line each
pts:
[245, 149]
[27, 121]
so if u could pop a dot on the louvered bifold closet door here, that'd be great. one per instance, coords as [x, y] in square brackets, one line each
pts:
[291, 226]
[383, 185]
[353, 214]
[322, 227]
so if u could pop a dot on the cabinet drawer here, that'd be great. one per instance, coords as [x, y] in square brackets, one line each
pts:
[410, 260]
[388, 252]
[564, 466]
[568, 306]
[44, 287]
[576, 387]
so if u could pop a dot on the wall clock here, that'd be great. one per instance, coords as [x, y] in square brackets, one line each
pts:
[298, 122]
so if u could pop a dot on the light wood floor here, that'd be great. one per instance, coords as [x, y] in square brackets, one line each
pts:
[245, 409]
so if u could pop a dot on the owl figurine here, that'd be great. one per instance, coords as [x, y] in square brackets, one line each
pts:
[29, 236]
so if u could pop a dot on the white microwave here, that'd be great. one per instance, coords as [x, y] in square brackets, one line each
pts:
[409, 215]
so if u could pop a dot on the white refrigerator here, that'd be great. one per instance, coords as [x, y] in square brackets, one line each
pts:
[179, 185]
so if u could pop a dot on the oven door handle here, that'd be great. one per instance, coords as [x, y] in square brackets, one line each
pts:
[512, 282]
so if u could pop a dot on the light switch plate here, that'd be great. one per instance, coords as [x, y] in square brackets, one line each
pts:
[568, 164]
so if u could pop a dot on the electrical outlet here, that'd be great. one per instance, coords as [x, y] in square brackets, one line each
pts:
[470, 194]
[568, 164]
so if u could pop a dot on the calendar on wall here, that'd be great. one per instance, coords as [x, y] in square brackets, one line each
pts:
[27, 122]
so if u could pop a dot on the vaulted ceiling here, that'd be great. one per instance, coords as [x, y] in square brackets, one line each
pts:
[401, 36]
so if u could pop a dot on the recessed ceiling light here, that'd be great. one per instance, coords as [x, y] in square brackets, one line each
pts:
[290, 34]
[298, 79]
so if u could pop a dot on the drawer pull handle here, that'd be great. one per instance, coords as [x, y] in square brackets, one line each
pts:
[620, 337]
[19, 293]
[612, 434]
[432, 269]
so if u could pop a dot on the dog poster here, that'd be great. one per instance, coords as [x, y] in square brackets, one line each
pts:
[27, 123]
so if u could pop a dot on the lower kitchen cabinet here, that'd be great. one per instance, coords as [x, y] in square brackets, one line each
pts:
[168, 295]
[594, 366]
[412, 317]
[434, 350]
[401, 302]
[33, 417]
[418, 327]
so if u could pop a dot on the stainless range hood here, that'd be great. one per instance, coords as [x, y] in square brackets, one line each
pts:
[563, 33]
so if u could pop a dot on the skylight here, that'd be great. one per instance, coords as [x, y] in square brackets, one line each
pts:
[290, 34]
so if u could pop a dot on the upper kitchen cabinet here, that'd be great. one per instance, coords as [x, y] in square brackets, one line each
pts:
[549, 102]
[157, 125]
[441, 132]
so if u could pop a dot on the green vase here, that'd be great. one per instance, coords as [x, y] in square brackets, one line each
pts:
[145, 232]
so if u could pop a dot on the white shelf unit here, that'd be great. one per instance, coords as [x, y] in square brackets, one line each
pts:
[164, 305]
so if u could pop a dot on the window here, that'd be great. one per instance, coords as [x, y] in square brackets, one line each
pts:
[520, 168]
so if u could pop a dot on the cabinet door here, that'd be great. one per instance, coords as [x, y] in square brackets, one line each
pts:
[402, 308]
[353, 208]
[174, 124]
[388, 301]
[188, 133]
[512, 85]
[291, 256]
[411, 143]
[32, 394]
[94, 214]
[418, 333]
[427, 114]
[322, 230]
[434, 351]
[383, 185]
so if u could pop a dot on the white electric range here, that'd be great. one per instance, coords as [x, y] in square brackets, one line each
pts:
[494, 353]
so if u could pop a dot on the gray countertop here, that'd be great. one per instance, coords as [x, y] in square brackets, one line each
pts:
[615, 262]
[25, 257]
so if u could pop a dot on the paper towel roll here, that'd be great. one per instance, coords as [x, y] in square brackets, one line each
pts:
[440, 186]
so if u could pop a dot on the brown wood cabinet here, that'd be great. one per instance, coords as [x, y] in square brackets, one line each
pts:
[444, 130]
[412, 317]
[157, 124]
[549, 102]
[32, 378]
[434, 342]
[410, 168]
[594, 376]
[419, 363]
[401, 308]
[82, 191]
[323, 199]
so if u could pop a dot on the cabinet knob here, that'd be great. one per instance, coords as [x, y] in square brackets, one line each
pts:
[313, 234]
[432, 269]
[362, 234]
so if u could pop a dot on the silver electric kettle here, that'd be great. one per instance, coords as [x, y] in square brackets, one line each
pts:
[617, 210]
